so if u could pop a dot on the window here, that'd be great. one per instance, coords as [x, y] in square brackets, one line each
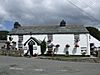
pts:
[34, 48]
[20, 45]
[50, 37]
[31, 42]
[76, 38]
[20, 37]
[25, 48]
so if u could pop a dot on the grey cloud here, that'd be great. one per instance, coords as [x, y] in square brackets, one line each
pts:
[29, 12]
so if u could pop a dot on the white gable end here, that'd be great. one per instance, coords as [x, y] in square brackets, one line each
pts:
[95, 41]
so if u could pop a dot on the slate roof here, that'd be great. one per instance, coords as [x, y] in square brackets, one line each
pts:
[56, 29]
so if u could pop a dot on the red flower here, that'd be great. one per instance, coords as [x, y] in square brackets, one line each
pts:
[76, 45]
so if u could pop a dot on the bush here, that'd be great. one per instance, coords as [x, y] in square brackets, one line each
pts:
[94, 32]
[43, 47]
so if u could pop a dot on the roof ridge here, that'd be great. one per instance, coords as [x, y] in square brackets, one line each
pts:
[51, 25]
[38, 25]
[44, 29]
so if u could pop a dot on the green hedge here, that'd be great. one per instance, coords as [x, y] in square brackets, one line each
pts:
[94, 32]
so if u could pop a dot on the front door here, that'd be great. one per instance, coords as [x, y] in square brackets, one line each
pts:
[31, 49]
[30, 45]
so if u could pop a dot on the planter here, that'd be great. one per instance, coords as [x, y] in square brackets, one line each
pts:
[57, 45]
[13, 42]
[67, 46]
[10, 38]
[50, 46]
[49, 53]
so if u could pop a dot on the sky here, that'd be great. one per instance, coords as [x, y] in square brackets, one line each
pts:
[49, 12]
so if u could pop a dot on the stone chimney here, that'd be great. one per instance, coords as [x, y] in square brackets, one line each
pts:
[17, 25]
[62, 23]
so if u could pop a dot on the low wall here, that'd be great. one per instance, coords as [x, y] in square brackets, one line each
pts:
[11, 52]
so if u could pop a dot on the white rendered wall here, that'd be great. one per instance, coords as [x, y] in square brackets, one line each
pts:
[95, 41]
[63, 39]
[84, 43]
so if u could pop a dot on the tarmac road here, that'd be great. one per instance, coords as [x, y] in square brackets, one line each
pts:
[35, 66]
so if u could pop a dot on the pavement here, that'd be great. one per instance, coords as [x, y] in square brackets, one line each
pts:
[35, 66]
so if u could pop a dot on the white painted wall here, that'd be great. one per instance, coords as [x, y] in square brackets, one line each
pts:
[61, 39]
[84, 42]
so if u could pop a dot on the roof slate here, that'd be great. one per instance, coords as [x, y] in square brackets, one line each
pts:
[56, 29]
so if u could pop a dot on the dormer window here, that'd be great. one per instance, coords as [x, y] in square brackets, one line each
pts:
[62, 23]
[17, 25]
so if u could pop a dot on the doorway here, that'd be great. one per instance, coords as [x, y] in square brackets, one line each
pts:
[30, 46]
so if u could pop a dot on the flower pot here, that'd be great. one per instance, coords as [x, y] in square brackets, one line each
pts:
[76, 45]
[57, 45]
[67, 46]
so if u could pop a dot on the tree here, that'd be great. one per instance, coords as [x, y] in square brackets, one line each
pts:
[3, 35]
[43, 47]
[94, 32]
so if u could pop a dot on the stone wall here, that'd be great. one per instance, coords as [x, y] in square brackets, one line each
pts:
[11, 52]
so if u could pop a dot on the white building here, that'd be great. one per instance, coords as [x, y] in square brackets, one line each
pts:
[94, 41]
[76, 36]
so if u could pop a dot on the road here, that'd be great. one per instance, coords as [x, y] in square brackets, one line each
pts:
[35, 66]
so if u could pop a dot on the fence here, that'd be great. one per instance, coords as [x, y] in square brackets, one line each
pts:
[11, 52]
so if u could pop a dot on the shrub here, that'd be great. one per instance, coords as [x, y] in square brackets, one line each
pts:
[43, 47]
